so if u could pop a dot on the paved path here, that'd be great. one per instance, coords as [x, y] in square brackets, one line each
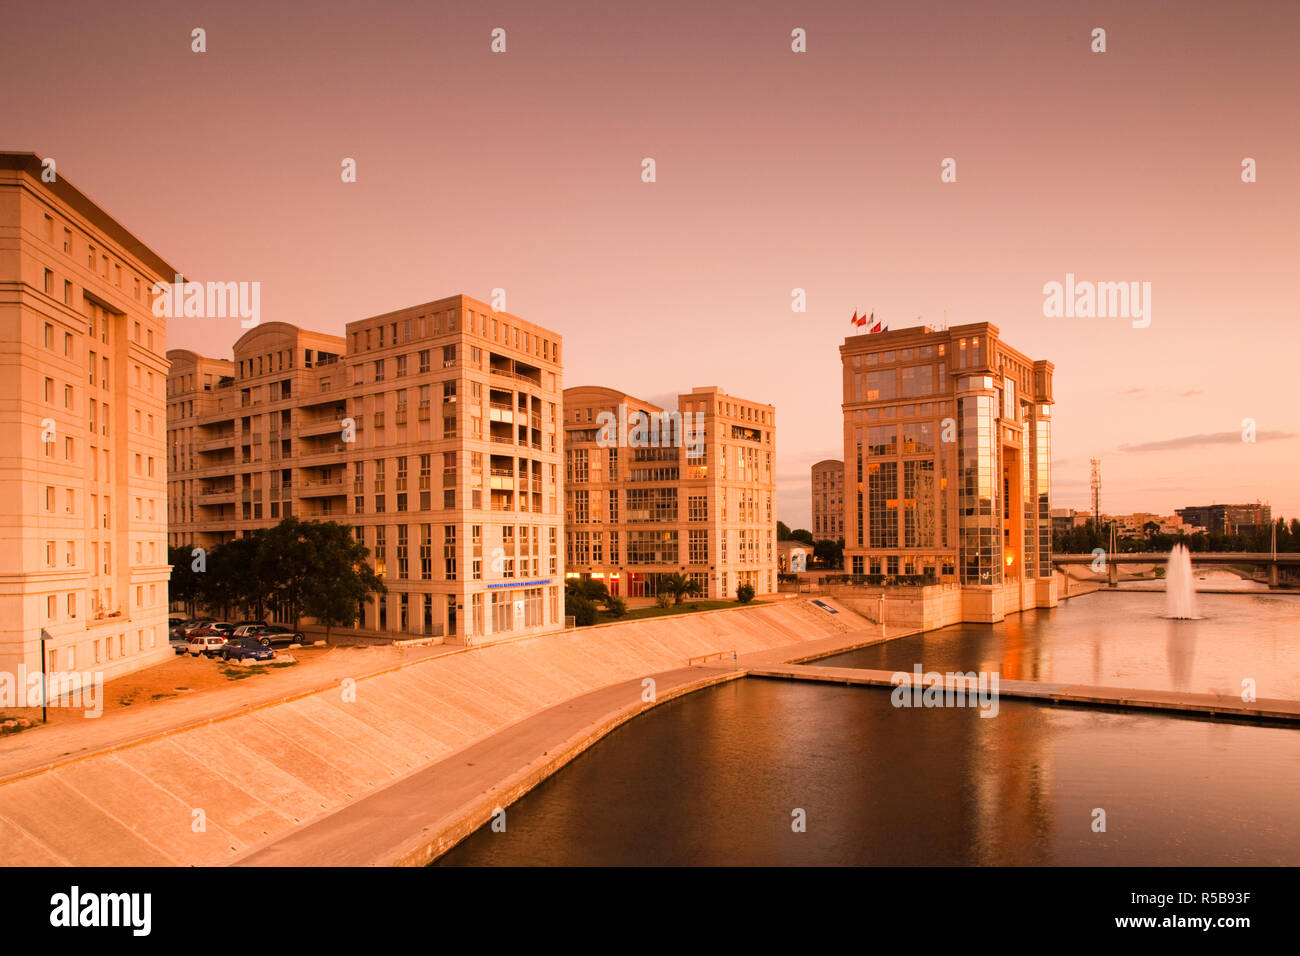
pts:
[417, 819]
[221, 785]
[1217, 705]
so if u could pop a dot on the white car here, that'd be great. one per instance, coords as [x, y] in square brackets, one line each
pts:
[209, 644]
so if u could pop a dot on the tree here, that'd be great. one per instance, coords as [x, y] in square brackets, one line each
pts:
[342, 578]
[782, 531]
[745, 593]
[233, 579]
[287, 560]
[678, 585]
[829, 554]
[801, 534]
[589, 589]
[186, 584]
[582, 610]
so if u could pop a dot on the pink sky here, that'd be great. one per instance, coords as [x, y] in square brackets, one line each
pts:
[775, 170]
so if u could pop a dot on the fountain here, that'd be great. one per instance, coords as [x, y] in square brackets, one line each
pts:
[1180, 589]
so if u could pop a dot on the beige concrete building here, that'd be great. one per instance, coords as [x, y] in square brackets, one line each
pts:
[82, 421]
[828, 500]
[433, 431]
[948, 465]
[650, 492]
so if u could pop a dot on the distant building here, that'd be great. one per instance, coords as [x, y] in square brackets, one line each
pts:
[947, 451]
[793, 557]
[1228, 519]
[650, 492]
[1062, 520]
[828, 500]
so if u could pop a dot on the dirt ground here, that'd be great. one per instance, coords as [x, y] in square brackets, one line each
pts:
[183, 677]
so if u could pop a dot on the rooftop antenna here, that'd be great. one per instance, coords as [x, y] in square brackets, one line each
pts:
[1096, 492]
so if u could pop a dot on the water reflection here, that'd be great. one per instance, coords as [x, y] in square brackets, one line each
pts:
[1180, 651]
[1119, 640]
[712, 779]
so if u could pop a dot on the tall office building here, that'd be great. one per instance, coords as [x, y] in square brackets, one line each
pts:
[433, 431]
[828, 500]
[947, 445]
[82, 424]
[650, 492]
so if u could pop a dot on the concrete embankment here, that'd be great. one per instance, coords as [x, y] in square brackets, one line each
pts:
[215, 793]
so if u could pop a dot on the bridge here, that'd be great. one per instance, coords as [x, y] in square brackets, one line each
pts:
[1115, 559]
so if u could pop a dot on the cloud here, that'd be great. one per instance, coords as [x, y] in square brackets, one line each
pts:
[1192, 441]
[1133, 391]
[1195, 391]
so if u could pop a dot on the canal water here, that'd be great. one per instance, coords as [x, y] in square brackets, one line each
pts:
[1116, 639]
[721, 776]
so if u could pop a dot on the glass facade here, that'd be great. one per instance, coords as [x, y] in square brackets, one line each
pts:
[979, 510]
[1042, 455]
[949, 460]
[882, 504]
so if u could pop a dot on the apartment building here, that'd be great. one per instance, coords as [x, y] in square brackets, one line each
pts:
[650, 492]
[828, 500]
[84, 557]
[1227, 519]
[947, 439]
[432, 431]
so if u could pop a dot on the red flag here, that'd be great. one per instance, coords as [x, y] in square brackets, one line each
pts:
[854, 320]
[875, 327]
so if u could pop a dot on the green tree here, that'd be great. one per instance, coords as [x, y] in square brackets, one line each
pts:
[582, 610]
[186, 585]
[287, 559]
[745, 593]
[677, 585]
[232, 581]
[342, 578]
[802, 534]
[829, 554]
[589, 589]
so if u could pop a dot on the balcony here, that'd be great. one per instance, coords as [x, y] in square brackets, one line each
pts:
[322, 425]
[319, 453]
[322, 488]
[215, 497]
[219, 443]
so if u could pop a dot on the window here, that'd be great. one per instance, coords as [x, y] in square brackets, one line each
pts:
[449, 551]
[426, 552]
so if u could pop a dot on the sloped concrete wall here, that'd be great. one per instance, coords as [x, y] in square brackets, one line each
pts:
[204, 795]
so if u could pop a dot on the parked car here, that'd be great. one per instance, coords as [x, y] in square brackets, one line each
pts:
[181, 645]
[250, 623]
[277, 634]
[220, 628]
[241, 647]
[190, 626]
[210, 644]
[175, 621]
[247, 628]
